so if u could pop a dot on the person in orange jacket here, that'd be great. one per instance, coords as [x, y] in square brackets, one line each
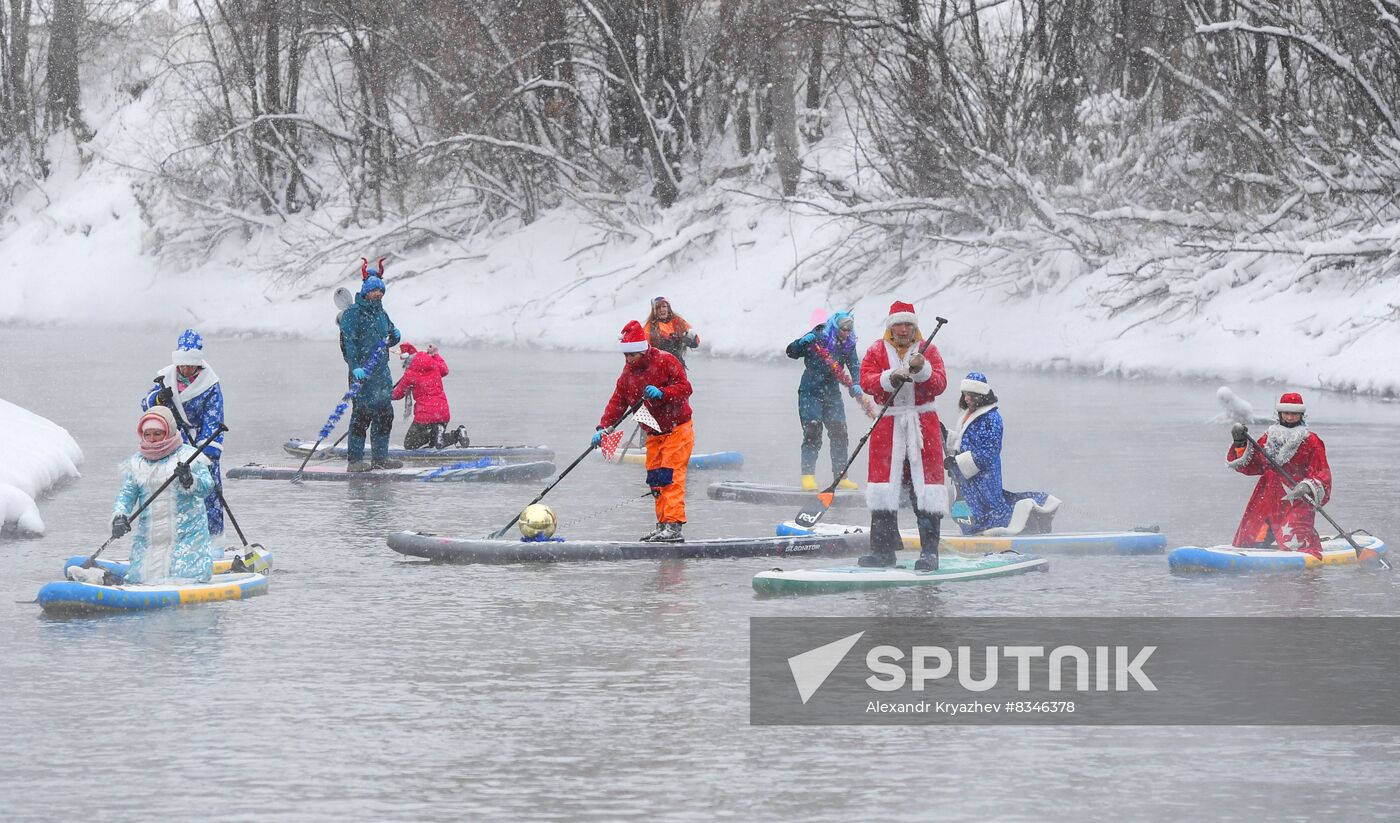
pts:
[668, 331]
[656, 380]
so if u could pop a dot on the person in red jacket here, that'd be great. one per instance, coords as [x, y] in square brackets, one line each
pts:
[657, 380]
[422, 376]
[906, 445]
[1275, 512]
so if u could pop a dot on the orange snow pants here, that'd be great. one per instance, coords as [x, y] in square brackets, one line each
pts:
[668, 456]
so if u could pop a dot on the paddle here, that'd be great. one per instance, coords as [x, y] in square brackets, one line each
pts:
[345, 401]
[1364, 556]
[92, 559]
[499, 533]
[813, 512]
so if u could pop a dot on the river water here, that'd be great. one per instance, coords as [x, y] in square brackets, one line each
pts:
[368, 686]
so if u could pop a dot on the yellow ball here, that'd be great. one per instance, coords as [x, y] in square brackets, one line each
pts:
[538, 519]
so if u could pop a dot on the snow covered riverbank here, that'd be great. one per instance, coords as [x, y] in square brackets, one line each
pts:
[35, 455]
[747, 272]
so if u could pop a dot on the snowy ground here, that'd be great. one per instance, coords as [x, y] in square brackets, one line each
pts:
[726, 260]
[744, 266]
[35, 455]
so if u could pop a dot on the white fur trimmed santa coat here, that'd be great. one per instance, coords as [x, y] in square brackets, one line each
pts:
[908, 431]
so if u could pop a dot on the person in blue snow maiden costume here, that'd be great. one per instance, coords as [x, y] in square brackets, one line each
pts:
[364, 329]
[974, 463]
[190, 389]
[172, 543]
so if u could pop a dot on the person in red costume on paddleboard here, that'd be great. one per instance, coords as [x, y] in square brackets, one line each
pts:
[1276, 514]
[657, 380]
[906, 446]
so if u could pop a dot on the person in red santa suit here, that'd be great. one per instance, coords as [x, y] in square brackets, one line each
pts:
[906, 447]
[1275, 512]
[657, 380]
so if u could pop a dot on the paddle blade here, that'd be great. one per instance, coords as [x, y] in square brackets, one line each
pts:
[813, 512]
[608, 445]
[1369, 558]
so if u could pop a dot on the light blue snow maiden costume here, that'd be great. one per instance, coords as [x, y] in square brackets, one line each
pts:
[975, 466]
[199, 409]
[170, 540]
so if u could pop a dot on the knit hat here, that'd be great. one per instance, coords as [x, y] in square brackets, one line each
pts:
[371, 283]
[407, 348]
[634, 338]
[901, 312]
[190, 350]
[160, 414]
[1291, 402]
[975, 382]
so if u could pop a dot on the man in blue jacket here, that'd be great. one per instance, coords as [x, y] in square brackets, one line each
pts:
[366, 333]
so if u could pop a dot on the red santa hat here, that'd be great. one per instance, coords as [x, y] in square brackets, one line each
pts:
[901, 312]
[407, 348]
[1291, 402]
[634, 338]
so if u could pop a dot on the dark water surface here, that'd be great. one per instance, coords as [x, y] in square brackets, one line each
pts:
[367, 686]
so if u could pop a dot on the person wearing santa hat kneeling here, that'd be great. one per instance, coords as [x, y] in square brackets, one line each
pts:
[906, 447]
[1275, 512]
[656, 380]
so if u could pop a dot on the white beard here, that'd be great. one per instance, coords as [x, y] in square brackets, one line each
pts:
[1283, 442]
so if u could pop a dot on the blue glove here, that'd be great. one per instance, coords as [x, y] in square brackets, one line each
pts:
[598, 437]
[855, 391]
[652, 393]
[359, 375]
[394, 337]
[809, 338]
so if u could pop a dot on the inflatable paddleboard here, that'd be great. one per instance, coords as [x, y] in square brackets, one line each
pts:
[1138, 541]
[951, 569]
[744, 492]
[486, 470]
[698, 462]
[255, 558]
[1335, 552]
[482, 550]
[71, 596]
[509, 454]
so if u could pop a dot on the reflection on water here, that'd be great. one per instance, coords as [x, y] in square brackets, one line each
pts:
[368, 686]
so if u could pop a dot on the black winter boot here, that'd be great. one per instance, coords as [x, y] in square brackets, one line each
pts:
[930, 526]
[884, 540]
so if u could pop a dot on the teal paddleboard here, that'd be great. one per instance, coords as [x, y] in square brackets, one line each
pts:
[951, 569]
